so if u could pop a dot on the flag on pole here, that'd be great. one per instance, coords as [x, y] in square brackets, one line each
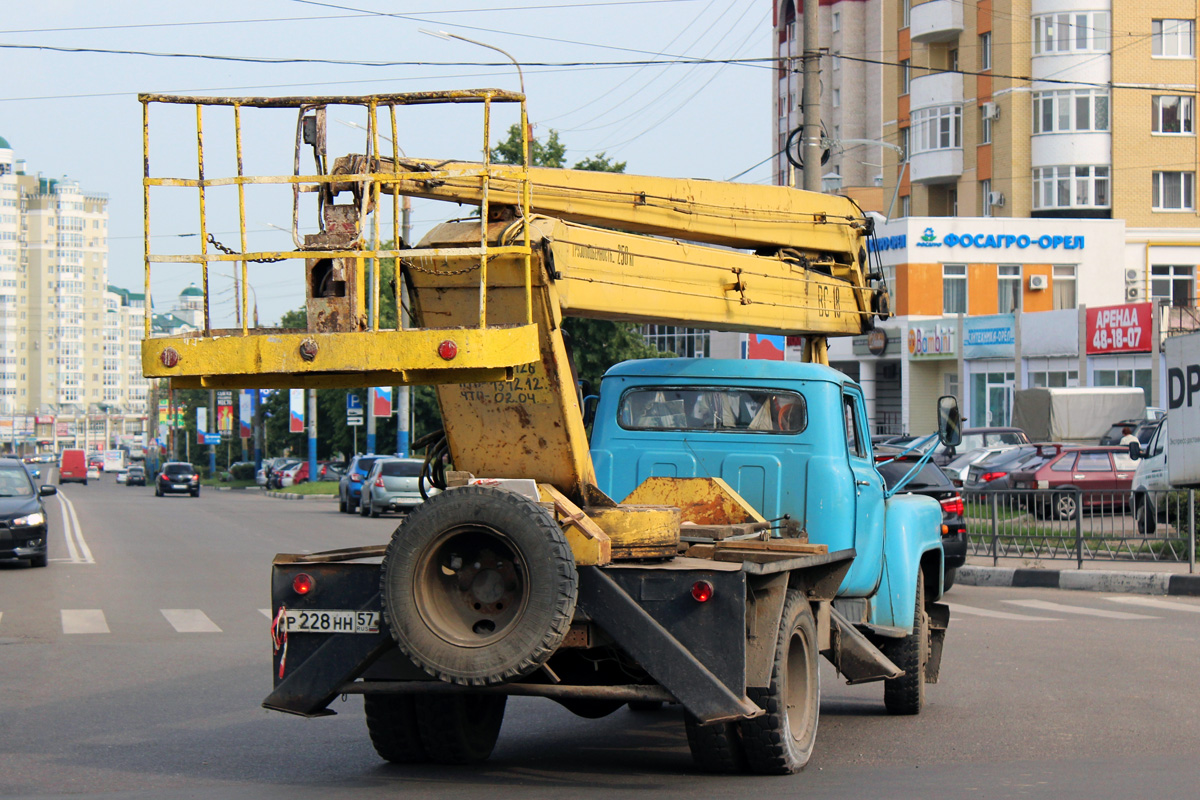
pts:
[296, 418]
[381, 401]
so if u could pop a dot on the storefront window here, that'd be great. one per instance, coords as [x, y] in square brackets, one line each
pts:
[991, 399]
[1053, 379]
[1124, 377]
[954, 288]
[1064, 287]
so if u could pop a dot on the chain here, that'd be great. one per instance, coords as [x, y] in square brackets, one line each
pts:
[427, 271]
[231, 252]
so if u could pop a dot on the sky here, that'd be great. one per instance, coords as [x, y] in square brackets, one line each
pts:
[70, 112]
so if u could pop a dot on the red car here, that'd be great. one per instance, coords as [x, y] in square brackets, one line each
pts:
[1096, 477]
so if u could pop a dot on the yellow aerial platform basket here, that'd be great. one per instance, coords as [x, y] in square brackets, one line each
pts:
[343, 344]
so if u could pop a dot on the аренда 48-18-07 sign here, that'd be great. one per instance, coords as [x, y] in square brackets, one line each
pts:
[1119, 329]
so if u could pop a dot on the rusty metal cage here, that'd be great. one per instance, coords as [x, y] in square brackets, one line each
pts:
[343, 344]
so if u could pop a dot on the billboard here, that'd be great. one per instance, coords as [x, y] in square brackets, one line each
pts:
[1120, 329]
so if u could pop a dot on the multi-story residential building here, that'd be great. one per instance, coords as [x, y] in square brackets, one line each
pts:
[852, 107]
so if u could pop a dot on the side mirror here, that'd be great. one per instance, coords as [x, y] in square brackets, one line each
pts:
[46, 491]
[949, 421]
[1135, 451]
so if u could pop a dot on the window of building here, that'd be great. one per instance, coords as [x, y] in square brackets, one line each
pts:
[837, 62]
[1084, 32]
[938, 128]
[1173, 284]
[1174, 191]
[952, 59]
[837, 98]
[905, 207]
[954, 288]
[1173, 38]
[836, 21]
[1064, 287]
[952, 202]
[1123, 377]
[905, 13]
[682, 342]
[985, 127]
[1172, 113]
[985, 51]
[905, 75]
[1071, 187]
[985, 190]
[1008, 288]
[1053, 379]
[1070, 110]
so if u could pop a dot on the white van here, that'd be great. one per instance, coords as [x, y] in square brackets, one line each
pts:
[1149, 480]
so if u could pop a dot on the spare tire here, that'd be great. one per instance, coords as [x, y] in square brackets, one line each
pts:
[478, 586]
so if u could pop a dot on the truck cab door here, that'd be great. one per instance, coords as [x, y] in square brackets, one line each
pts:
[863, 577]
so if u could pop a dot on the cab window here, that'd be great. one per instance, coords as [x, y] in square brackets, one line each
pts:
[713, 409]
[854, 442]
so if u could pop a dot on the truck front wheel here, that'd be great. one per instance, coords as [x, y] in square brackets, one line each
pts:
[478, 586]
[392, 726]
[906, 694]
[781, 741]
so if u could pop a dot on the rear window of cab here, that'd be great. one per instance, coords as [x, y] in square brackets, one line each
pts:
[720, 409]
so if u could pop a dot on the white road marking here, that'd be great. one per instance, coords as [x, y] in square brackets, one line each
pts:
[1045, 605]
[1151, 602]
[189, 620]
[76, 545]
[83, 620]
[984, 612]
[266, 612]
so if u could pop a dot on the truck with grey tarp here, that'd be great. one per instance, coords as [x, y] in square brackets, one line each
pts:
[1080, 414]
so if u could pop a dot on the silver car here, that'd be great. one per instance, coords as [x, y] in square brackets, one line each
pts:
[391, 485]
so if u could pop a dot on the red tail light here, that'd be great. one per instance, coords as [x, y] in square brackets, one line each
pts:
[702, 591]
[953, 505]
[303, 583]
[988, 477]
[379, 482]
[355, 477]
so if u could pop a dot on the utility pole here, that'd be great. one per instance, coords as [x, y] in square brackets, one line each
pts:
[312, 435]
[258, 429]
[212, 422]
[811, 104]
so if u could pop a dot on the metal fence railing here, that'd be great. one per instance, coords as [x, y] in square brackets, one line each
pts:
[1080, 525]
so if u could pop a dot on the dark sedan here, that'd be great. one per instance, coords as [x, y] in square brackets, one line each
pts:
[135, 476]
[177, 477]
[22, 515]
[932, 482]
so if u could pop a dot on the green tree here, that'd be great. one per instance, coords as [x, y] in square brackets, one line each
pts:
[552, 153]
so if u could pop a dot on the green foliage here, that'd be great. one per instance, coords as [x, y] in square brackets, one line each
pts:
[552, 153]
[600, 163]
[242, 472]
[598, 344]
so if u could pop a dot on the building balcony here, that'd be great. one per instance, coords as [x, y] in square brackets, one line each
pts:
[936, 21]
[936, 166]
[944, 88]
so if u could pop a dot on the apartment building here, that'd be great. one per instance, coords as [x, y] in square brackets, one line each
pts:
[852, 106]
[70, 344]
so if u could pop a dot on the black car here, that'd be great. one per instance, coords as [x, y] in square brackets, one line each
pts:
[992, 474]
[22, 515]
[932, 482]
[1143, 429]
[177, 477]
[135, 476]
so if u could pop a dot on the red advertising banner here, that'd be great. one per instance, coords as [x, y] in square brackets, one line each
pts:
[1120, 329]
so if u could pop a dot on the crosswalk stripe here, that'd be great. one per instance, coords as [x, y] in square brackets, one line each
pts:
[1045, 605]
[83, 620]
[189, 620]
[1151, 602]
[985, 612]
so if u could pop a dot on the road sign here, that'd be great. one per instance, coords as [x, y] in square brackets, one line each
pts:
[353, 403]
[354, 421]
[211, 438]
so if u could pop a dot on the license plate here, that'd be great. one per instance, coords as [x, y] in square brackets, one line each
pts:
[179, 486]
[329, 621]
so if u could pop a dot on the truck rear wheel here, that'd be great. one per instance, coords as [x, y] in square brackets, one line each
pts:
[716, 748]
[781, 741]
[392, 726]
[460, 729]
[906, 694]
[479, 586]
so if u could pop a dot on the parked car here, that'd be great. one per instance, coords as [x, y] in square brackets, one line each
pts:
[1143, 429]
[956, 470]
[1103, 477]
[73, 467]
[992, 474]
[350, 484]
[931, 481]
[331, 470]
[177, 477]
[96, 460]
[391, 485]
[974, 438]
[22, 515]
[135, 476]
[279, 471]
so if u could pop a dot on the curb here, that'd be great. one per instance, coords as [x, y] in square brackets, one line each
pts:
[290, 496]
[1168, 583]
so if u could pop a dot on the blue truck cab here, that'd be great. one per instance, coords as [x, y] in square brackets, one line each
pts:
[791, 439]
